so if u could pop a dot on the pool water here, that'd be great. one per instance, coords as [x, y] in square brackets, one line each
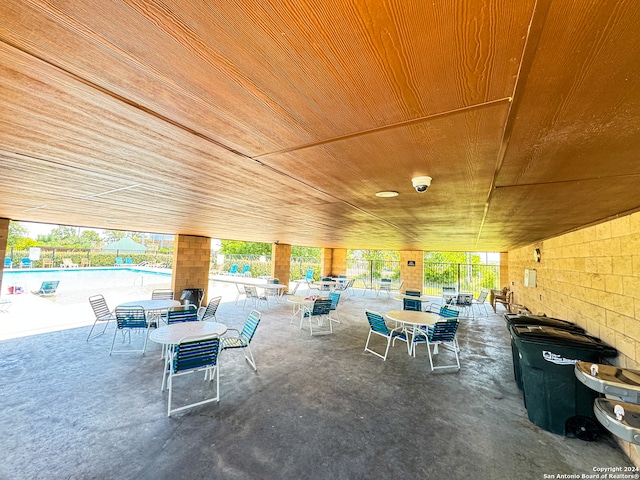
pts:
[83, 279]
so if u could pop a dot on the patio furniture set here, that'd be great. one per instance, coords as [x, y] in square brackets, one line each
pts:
[190, 336]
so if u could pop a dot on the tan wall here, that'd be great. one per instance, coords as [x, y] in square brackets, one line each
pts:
[191, 260]
[504, 270]
[281, 264]
[590, 277]
[413, 276]
[4, 236]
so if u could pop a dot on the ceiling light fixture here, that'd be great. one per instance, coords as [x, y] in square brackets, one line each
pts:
[421, 183]
[387, 194]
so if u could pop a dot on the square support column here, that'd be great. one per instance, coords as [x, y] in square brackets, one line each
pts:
[326, 262]
[339, 262]
[191, 259]
[412, 269]
[281, 263]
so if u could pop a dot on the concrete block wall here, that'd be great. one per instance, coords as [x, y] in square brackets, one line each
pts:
[326, 262]
[413, 276]
[281, 264]
[339, 262]
[191, 259]
[590, 277]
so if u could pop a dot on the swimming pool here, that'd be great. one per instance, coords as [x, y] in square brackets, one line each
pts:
[84, 279]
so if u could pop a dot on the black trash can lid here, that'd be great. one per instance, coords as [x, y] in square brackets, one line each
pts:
[530, 319]
[560, 337]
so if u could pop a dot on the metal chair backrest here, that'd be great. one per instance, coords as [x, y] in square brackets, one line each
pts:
[99, 306]
[212, 308]
[448, 312]
[251, 291]
[162, 294]
[131, 317]
[377, 323]
[194, 354]
[182, 313]
[250, 326]
[309, 275]
[321, 306]
[443, 331]
[482, 296]
[413, 293]
[411, 304]
[335, 298]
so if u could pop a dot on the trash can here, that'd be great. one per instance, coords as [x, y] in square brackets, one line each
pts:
[192, 296]
[530, 319]
[555, 399]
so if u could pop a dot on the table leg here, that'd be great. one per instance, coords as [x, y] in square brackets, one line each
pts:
[410, 345]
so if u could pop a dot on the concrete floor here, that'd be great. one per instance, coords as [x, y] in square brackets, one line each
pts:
[317, 408]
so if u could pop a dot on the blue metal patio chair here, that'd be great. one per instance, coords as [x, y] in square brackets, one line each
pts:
[308, 279]
[411, 304]
[442, 334]
[25, 262]
[243, 338]
[335, 298]
[246, 271]
[118, 262]
[234, 269]
[320, 310]
[193, 354]
[378, 326]
[8, 263]
[127, 320]
[448, 312]
[182, 313]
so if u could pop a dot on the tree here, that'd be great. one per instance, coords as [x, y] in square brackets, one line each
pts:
[17, 233]
[305, 252]
[236, 247]
[90, 238]
[111, 236]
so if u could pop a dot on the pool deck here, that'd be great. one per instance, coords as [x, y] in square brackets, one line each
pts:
[29, 314]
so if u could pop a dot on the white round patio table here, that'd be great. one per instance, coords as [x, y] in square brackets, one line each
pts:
[172, 334]
[298, 302]
[415, 320]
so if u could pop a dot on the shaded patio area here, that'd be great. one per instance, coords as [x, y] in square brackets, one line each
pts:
[318, 407]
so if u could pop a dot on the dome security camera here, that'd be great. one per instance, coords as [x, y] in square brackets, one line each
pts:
[421, 183]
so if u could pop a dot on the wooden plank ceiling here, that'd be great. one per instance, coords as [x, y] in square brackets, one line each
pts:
[262, 121]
